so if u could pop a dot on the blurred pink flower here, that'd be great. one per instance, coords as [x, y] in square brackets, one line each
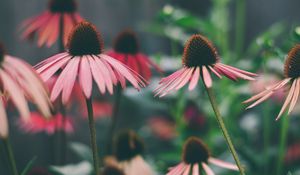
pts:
[291, 73]
[196, 156]
[293, 153]
[100, 109]
[200, 58]
[47, 25]
[194, 118]
[38, 123]
[19, 83]
[162, 128]
[126, 49]
[85, 60]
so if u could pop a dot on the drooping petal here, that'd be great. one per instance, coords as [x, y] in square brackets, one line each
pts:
[187, 170]
[185, 80]
[206, 77]
[223, 164]
[207, 169]
[3, 121]
[194, 79]
[196, 170]
[97, 75]
[47, 62]
[105, 72]
[239, 70]
[85, 77]
[234, 72]
[263, 98]
[70, 79]
[68, 25]
[295, 96]
[214, 71]
[177, 169]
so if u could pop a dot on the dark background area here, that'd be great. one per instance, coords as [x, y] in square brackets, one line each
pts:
[111, 16]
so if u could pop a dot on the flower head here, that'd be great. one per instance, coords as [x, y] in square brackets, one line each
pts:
[291, 73]
[19, 83]
[128, 148]
[37, 123]
[59, 19]
[196, 157]
[85, 60]
[200, 57]
[127, 50]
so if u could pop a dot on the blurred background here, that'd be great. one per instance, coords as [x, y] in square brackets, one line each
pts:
[253, 35]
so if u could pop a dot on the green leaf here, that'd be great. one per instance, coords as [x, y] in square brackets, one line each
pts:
[28, 166]
[82, 150]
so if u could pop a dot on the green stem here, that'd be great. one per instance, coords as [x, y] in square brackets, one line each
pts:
[10, 156]
[240, 26]
[114, 119]
[266, 135]
[223, 128]
[282, 143]
[93, 135]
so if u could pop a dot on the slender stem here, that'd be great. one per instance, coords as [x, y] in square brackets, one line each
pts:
[224, 130]
[114, 119]
[266, 135]
[10, 156]
[240, 26]
[282, 144]
[93, 134]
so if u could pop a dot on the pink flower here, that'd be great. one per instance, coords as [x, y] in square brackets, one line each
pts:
[194, 118]
[126, 49]
[19, 83]
[61, 15]
[196, 156]
[85, 60]
[38, 123]
[200, 58]
[293, 153]
[162, 128]
[291, 72]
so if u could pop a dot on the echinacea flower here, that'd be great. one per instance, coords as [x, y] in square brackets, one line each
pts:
[200, 57]
[19, 83]
[112, 170]
[38, 123]
[195, 158]
[59, 19]
[126, 49]
[128, 149]
[292, 74]
[84, 60]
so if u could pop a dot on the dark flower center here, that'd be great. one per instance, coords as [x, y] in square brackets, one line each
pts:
[2, 52]
[292, 63]
[62, 6]
[110, 170]
[127, 145]
[195, 151]
[85, 40]
[126, 42]
[199, 51]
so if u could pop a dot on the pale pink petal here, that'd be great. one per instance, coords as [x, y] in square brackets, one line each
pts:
[288, 100]
[3, 121]
[223, 164]
[225, 72]
[55, 32]
[46, 74]
[295, 96]
[70, 79]
[239, 70]
[206, 77]
[262, 99]
[214, 71]
[196, 170]
[185, 80]
[195, 79]
[85, 77]
[177, 169]
[238, 74]
[165, 82]
[97, 75]
[68, 25]
[106, 74]
[49, 61]
[112, 73]
[187, 170]
[207, 169]
[15, 93]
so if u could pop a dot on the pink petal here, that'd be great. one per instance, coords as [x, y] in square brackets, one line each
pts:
[185, 80]
[177, 169]
[196, 169]
[55, 32]
[265, 97]
[68, 25]
[295, 96]
[106, 74]
[15, 93]
[236, 73]
[207, 169]
[45, 32]
[77, 17]
[97, 75]
[195, 79]
[36, 23]
[187, 170]
[70, 78]
[85, 77]
[47, 62]
[225, 72]
[223, 164]
[214, 71]
[112, 73]
[288, 100]
[3, 121]
[206, 77]
[239, 70]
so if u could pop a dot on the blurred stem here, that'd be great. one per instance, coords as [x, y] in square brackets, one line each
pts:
[174, 51]
[10, 156]
[282, 143]
[93, 134]
[179, 108]
[240, 26]
[266, 135]
[114, 119]
[223, 128]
